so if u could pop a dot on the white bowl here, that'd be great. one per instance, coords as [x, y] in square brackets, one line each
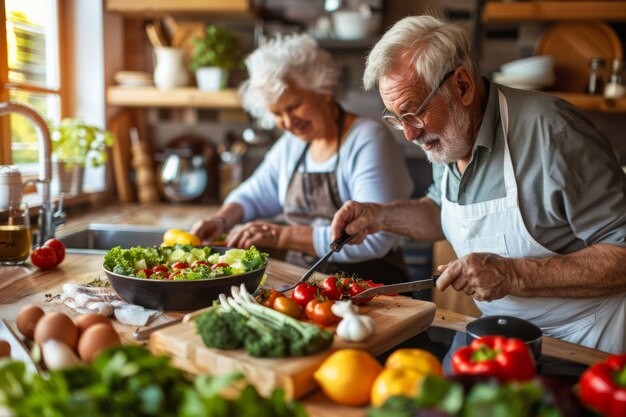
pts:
[524, 82]
[535, 66]
[351, 25]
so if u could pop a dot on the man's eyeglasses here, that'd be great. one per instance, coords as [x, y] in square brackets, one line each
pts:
[413, 119]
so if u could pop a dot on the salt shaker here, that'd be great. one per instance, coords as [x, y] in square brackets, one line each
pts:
[615, 87]
[596, 76]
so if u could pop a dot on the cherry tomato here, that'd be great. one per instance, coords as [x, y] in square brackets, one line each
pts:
[44, 257]
[270, 297]
[147, 271]
[162, 268]
[304, 293]
[310, 306]
[356, 288]
[180, 265]
[58, 247]
[198, 263]
[219, 265]
[330, 289]
[322, 313]
[287, 306]
[160, 275]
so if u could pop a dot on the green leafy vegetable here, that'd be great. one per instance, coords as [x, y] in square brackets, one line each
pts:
[129, 381]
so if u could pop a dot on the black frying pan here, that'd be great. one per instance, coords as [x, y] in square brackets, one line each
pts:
[506, 326]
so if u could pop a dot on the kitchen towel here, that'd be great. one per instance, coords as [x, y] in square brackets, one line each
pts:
[105, 301]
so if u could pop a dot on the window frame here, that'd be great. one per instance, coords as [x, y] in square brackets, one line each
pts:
[6, 156]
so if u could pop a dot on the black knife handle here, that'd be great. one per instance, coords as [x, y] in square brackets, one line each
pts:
[338, 243]
[435, 278]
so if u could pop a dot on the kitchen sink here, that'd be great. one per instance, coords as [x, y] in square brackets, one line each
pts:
[100, 237]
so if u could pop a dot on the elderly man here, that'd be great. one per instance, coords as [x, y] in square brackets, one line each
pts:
[525, 188]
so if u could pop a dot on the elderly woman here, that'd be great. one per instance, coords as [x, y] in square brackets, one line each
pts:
[325, 157]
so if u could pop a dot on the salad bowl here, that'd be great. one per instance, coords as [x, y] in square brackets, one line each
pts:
[180, 294]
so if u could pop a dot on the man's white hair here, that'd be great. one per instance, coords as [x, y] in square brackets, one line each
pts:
[295, 58]
[431, 45]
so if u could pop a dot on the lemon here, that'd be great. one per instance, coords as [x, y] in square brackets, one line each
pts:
[396, 381]
[417, 359]
[177, 236]
[347, 376]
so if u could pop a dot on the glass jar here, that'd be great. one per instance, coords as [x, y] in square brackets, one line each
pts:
[596, 76]
[615, 87]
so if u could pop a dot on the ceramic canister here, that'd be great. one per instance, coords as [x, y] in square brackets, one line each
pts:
[10, 186]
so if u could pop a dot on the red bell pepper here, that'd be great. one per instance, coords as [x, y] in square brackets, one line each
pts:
[497, 356]
[603, 386]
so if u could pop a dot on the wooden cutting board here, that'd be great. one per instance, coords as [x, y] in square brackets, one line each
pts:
[397, 319]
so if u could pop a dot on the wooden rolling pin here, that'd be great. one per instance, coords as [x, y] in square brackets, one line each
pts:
[144, 171]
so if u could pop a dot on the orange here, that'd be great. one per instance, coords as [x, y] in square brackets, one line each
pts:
[347, 376]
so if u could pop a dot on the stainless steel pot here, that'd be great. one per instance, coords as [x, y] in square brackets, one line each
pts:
[183, 176]
[506, 326]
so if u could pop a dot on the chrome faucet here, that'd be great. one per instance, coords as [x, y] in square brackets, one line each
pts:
[47, 219]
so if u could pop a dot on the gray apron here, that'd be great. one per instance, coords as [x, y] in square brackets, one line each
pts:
[497, 226]
[312, 200]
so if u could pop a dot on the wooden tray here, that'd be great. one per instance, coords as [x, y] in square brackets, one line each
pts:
[397, 319]
[573, 44]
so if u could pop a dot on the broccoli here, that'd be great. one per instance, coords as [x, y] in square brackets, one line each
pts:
[263, 332]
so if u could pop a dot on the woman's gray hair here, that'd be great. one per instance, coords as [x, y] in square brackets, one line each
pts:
[434, 46]
[295, 58]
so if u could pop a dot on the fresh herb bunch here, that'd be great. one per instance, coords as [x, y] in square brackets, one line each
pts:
[241, 322]
[219, 47]
[129, 381]
[75, 142]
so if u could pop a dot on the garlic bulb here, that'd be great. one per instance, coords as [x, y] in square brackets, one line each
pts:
[354, 327]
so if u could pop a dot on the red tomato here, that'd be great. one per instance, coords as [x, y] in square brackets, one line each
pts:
[310, 307]
[270, 297]
[162, 268]
[44, 257]
[198, 263]
[330, 288]
[147, 271]
[323, 314]
[58, 247]
[304, 293]
[219, 265]
[180, 265]
[288, 307]
[160, 275]
[357, 287]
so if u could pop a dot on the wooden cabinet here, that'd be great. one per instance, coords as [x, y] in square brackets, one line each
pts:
[541, 11]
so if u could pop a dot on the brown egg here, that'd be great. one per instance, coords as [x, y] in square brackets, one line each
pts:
[5, 349]
[27, 320]
[86, 320]
[96, 339]
[57, 326]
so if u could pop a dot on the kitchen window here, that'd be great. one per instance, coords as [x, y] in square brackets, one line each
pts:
[31, 73]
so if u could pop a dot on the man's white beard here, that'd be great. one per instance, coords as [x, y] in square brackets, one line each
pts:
[452, 144]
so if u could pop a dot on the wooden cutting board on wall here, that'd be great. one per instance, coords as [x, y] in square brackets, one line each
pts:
[397, 319]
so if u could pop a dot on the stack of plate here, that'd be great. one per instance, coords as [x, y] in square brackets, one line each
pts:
[133, 78]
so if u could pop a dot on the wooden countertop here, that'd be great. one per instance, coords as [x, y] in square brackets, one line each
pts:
[23, 285]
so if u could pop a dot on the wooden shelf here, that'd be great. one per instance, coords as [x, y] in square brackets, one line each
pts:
[553, 10]
[148, 7]
[593, 103]
[177, 97]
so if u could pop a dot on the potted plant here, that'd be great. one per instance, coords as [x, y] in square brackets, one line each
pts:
[74, 144]
[213, 55]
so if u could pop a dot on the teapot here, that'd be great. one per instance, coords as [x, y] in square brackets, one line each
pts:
[10, 186]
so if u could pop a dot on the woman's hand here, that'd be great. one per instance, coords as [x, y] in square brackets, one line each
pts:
[208, 230]
[257, 233]
[358, 220]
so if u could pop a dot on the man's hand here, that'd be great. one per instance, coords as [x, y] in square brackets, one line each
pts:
[484, 276]
[257, 233]
[358, 220]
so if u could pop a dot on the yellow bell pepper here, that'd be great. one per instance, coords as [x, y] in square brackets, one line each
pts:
[419, 360]
[396, 381]
[177, 236]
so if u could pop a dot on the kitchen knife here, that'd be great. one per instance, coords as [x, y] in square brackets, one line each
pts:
[398, 288]
[18, 350]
